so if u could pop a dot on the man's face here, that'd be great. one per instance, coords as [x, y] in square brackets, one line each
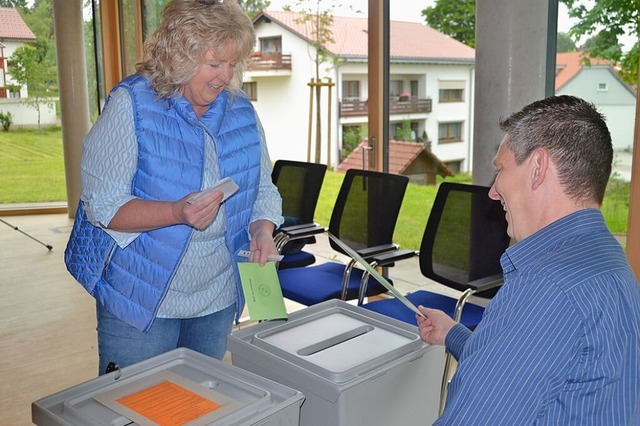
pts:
[511, 187]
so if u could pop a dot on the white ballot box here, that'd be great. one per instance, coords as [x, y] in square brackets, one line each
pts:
[354, 367]
[181, 387]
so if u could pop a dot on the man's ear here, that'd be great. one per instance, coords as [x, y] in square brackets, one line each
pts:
[539, 166]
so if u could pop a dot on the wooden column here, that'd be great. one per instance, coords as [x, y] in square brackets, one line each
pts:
[111, 44]
[633, 226]
[74, 95]
[376, 82]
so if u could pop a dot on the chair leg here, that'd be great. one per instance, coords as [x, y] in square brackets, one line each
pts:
[457, 316]
[345, 279]
[445, 382]
[364, 281]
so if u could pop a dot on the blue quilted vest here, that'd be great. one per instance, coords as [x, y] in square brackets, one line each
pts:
[131, 282]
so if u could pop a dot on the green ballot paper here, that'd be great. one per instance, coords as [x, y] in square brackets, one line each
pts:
[262, 291]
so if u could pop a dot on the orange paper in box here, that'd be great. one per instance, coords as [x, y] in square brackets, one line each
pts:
[168, 404]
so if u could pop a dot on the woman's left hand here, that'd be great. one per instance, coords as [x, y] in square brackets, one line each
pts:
[262, 245]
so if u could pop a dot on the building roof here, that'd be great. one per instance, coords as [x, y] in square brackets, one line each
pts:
[401, 156]
[13, 27]
[569, 65]
[408, 40]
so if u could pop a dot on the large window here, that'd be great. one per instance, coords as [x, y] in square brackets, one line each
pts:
[450, 95]
[271, 45]
[451, 91]
[395, 88]
[414, 89]
[450, 132]
[351, 89]
[251, 88]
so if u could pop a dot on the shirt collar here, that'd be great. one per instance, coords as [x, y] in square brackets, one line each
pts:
[543, 241]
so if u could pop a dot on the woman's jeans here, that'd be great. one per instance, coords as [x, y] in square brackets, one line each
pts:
[123, 344]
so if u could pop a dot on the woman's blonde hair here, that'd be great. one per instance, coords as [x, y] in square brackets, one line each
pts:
[188, 29]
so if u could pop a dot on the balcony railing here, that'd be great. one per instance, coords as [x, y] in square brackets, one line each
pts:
[269, 62]
[356, 108]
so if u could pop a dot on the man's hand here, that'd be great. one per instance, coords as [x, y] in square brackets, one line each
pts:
[435, 327]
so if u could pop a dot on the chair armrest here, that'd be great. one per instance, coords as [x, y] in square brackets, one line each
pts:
[293, 228]
[486, 283]
[300, 231]
[369, 252]
[296, 232]
[394, 256]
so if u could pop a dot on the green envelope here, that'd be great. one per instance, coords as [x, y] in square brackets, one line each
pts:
[262, 291]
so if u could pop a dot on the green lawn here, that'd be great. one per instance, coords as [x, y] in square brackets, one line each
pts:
[32, 170]
[419, 198]
[31, 166]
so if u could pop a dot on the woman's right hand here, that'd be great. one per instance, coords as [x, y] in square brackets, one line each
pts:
[198, 214]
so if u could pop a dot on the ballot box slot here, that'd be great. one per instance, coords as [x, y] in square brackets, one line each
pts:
[335, 340]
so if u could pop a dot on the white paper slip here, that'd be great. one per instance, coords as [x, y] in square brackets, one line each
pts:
[376, 275]
[271, 257]
[226, 185]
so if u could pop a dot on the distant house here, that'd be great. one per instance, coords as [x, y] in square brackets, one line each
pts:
[598, 82]
[14, 99]
[411, 159]
[14, 32]
[431, 86]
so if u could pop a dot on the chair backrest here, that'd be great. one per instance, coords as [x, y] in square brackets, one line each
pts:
[299, 185]
[465, 235]
[367, 208]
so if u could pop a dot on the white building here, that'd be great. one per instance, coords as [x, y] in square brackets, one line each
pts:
[598, 82]
[14, 98]
[431, 86]
[14, 32]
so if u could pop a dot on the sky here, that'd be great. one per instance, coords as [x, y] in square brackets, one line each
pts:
[409, 10]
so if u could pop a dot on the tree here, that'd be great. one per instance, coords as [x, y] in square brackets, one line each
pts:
[90, 60]
[320, 21]
[608, 20]
[564, 43]
[14, 4]
[39, 19]
[454, 18]
[253, 7]
[404, 132]
[29, 66]
[605, 44]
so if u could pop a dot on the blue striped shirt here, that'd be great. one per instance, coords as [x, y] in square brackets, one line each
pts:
[560, 342]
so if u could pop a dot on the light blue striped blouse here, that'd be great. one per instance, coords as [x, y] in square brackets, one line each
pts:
[560, 343]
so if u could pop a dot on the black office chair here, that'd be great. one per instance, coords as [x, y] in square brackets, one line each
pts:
[299, 184]
[464, 238]
[364, 217]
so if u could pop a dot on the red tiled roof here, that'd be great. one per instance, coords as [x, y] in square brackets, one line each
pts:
[570, 64]
[401, 156]
[408, 39]
[12, 26]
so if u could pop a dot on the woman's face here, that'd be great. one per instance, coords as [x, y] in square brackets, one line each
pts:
[215, 73]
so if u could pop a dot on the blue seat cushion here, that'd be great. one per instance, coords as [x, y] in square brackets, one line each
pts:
[317, 283]
[471, 314]
[297, 260]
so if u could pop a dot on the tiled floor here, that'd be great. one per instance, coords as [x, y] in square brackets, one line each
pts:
[47, 321]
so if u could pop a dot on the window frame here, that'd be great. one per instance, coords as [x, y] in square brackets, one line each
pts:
[449, 138]
[449, 98]
[251, 89]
